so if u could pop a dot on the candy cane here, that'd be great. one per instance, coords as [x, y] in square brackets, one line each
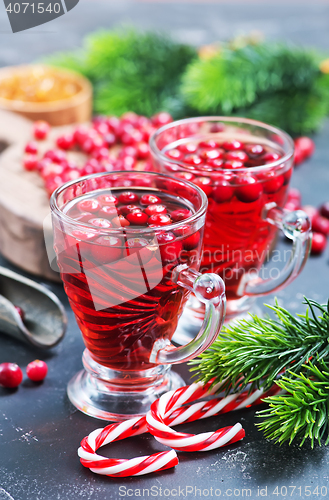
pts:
[167, 410]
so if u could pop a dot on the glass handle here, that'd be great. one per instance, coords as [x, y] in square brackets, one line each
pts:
[209, 289]
[296, 226]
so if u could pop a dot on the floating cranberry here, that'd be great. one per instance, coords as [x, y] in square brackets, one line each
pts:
[270, 157]
[141, 247]
[186, 176]
[37, 370]
[182, 230]
[233, 164]
[180, 214]
[232, 145]
[217, 163]
[272, 182]
[103, 223]
[108, 212]
[170, 248]
[193, 159]
[32, 148]
[205, 183]
[30, 162]
[324, 210]
[108, 200]
[126, 209]
[236, 155]
[192, 241]
[174, 154]
[160, 220]
[137, 218]
[161, 119]
[150, 199]
[128, 197]
[10, 375]
[82, 235]
[41, 130]
[84, 217]
[222, 191]
[250, 191]
[107, 249]
[209, 144]
[320, 224]
[155, 209]
[120, 221]
[211, 154]
[319, 243]
[254, 150]
[188, 147]
[65, 141]
[90, 205]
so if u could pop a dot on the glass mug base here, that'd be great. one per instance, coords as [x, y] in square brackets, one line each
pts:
[115, 396]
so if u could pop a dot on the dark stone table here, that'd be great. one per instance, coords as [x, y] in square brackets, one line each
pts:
[40, 430]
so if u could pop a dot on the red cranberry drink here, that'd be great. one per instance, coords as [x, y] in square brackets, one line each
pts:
[129, 249]
[244, 167]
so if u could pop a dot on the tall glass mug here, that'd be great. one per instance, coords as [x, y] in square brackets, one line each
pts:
[128, 246]
[244, 167]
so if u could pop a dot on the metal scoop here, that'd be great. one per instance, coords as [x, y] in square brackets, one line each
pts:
[45, 321]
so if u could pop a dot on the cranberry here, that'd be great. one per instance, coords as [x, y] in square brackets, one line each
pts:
[209, 144]
[108, 212]
[161, 119]
[113, 123]
[41, 130]
[84, 217]
[155, 209]
[37, 370]
[107, 249]
[92, 143]
[211, 154]
[304, 148]
[101, 153]
[20, 312]
[320, 224]
[120, 221]
[272, 182]
[187, 176]
[180, 214]
[108, 200]
[90, 205]
[32, 148]
[109, 139]
[139, 245]
[51, 170]
[233, 164]
[80, 134]
[193, 159]
[250, 191]
[82, 235]
[270, 157]
[287, 176]
[30, 162]
[324, 210]
[188, 147]
[232, 145]
[10, 375]
[170, 248]
[160, 220]
[128, 151]
[65, 141]
[205, 183]
[103, 223]
[236, 155]
[143, 150]
[217, 127]
[174, 154]
[150, 199]
[55, 155]
[137, 218]
[222, 191]
[217, 163]
[192, 241]
[254, 150]
[128, 197]
[133, 137]
[319, 243]
[126, 209]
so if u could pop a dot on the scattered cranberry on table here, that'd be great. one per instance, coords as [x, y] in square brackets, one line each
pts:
[37, 370]
[304, 148]
[319, 243]
[10, 375]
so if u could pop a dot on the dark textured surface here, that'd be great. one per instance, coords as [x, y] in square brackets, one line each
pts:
[40, 431]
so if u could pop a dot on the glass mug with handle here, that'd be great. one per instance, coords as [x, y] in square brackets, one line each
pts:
[128, 246]
[244, 167]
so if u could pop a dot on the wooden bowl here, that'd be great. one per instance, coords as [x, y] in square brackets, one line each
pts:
[74, 109]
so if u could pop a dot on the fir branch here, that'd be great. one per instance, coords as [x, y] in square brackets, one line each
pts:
[302, 413]
[256, 351]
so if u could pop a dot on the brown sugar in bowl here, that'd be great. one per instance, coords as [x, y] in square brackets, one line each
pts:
[74, 107]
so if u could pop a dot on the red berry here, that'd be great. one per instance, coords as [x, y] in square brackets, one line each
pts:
[170, 248]
[205, 183]
[128, 197]
[55, 155]
[82, 235]
[304, 148]
[209, 144]
[137, 218]
[254, 150]
[233, 164]
[250, 191]
[30, 162]
[188, 147]
[31, 148]
[150, 199]
[84, 217]
[143, 150]
[108, 200]
[65, 141]
[270, 157]
[107, 249]
[310, 211]
[37, 370]
[41, 130]
[155, 209]
[217, 163]
[90, 205]
[222, 191]
[187, 176]
[174, 154]
[324, 210]
[120, 221]
[192, 241]
[159, 220]
[320, 224]
[103, 223]
[139, 245]
[180, 214]
[319, 243]
[10, 375]
[193, 159]
[294, 194]
[109, 139]
[161, 119]
[108, 212]
[272, 182]
[232, 145]
[211, 154]
[126, 209]
[236, 155]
